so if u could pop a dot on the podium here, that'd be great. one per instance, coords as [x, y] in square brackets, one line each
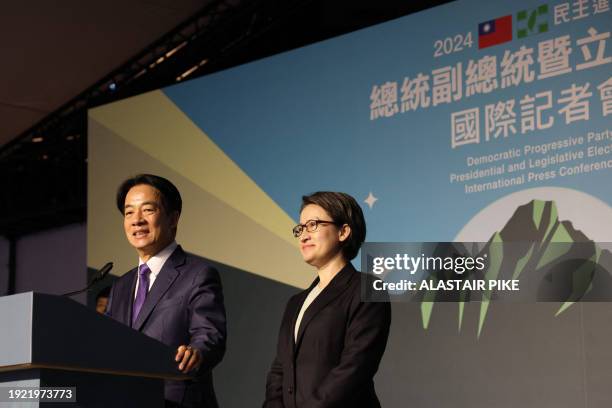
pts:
[51, 341]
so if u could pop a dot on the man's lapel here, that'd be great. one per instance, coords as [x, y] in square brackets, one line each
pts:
[337, 285]
[123, 298]
[164, 280]
[130, 297]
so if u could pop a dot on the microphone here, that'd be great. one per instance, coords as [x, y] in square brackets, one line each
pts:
[103, 272]
[99, 276]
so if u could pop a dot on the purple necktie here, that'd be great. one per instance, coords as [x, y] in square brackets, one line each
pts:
[143, 288]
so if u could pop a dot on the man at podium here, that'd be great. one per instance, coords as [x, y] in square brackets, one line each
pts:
[172, 296]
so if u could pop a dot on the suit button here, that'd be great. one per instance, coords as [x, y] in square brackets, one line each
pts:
[290, 390]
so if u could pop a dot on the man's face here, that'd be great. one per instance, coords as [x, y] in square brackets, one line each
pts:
[101, 304]
[148, 226]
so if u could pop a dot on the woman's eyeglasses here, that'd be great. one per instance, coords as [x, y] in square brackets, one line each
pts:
[310, 226]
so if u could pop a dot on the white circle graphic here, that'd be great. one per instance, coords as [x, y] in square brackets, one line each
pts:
[588, 214]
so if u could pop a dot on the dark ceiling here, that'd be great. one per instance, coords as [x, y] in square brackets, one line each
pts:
[53, 50]
[69, 52]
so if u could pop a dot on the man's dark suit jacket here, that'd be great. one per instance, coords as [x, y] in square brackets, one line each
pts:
[339, 346]
[184, 306]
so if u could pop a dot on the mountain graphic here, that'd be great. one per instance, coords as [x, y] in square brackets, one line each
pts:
[553, 260]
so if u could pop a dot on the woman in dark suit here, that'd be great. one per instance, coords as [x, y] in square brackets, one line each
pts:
[330, 342]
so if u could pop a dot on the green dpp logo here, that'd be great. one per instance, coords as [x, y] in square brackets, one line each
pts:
[530, 22]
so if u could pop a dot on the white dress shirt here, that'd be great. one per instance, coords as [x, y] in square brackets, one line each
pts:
[155, 264]
[312, 295]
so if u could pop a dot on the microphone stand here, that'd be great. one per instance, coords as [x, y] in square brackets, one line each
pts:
[101, 275]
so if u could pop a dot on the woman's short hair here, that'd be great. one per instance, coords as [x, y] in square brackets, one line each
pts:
[343, 209]
[169, 194]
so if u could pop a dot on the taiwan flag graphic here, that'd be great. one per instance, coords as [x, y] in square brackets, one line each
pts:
[495, 32]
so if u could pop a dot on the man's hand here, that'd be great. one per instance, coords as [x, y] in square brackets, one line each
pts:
[189, 358]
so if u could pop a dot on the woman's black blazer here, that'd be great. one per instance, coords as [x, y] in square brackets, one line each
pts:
[339, 346]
